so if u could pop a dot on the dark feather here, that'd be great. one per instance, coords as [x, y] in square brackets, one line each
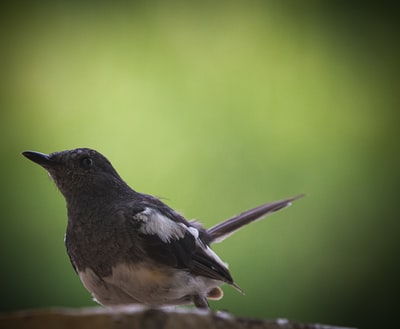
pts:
[206, 266]
[224, 229]
[176, 253]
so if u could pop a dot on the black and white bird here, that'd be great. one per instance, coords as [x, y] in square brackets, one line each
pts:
[128, 247]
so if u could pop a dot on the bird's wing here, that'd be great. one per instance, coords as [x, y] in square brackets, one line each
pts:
[168, 238]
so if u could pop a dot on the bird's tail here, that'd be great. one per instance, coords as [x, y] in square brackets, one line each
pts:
[223, 230]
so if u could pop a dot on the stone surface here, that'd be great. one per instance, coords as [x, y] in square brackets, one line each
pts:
[133, 317]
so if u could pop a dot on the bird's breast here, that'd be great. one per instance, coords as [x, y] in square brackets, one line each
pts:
[97, 246]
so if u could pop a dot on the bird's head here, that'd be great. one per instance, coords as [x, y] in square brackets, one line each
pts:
[79, 172]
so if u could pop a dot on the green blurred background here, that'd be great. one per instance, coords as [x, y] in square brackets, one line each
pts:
[216, 107]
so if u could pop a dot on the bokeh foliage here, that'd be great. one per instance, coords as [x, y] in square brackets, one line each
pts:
[217, 107]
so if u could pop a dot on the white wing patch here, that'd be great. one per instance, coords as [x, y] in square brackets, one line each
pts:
[155, 223]
[214, 256]
[192, 230]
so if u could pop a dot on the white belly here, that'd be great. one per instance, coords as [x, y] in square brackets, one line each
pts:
[146, 285]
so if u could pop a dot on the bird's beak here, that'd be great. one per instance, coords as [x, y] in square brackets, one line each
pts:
[40, 158]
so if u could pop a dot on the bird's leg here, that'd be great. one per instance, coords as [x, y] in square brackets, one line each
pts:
[200, 302]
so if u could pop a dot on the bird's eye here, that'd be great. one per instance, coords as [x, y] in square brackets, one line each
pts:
[87, 162]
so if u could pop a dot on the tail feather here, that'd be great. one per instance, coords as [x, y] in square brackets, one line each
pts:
[223, 230]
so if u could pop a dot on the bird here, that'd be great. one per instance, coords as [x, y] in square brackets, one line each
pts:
[132, 248]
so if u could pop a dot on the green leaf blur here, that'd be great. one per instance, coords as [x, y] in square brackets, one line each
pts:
[215, 107]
